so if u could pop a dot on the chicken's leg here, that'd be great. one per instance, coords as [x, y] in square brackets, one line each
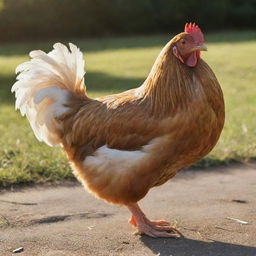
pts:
[159, 228]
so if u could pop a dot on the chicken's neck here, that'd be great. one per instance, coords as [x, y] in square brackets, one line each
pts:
[169, 86]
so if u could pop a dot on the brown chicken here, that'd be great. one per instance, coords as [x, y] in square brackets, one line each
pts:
[122, 145]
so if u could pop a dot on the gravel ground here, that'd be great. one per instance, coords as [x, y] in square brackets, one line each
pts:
[67, 221]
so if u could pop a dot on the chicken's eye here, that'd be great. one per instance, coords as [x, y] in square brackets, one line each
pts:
[183, 42]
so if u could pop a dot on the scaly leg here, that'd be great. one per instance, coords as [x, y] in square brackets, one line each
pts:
[155, 229]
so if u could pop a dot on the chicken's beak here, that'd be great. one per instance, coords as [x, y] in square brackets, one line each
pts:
[201, 47]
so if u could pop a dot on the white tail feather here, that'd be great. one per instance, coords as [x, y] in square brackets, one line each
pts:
[44, 85]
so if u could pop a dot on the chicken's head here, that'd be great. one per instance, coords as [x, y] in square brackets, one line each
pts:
[187, 45]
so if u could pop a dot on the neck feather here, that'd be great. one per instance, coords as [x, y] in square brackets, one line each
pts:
[169, 86]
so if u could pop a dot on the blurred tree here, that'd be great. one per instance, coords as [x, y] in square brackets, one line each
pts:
[243, 13]
[32, 19]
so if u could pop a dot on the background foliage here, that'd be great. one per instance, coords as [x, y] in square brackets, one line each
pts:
[36, 19]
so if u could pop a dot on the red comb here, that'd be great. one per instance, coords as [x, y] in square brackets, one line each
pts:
[195, 31]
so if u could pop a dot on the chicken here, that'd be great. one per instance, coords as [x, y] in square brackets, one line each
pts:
[122, 145]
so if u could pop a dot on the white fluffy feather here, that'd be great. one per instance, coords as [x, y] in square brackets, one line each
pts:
[117, 161]
[43, 87]
[114, 160]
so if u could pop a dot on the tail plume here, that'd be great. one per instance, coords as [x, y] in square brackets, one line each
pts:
[44, 85]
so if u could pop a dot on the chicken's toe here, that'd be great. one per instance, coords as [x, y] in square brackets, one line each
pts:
[156, 228]
[154, 231]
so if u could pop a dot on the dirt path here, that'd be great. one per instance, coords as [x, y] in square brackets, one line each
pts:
[67, 221]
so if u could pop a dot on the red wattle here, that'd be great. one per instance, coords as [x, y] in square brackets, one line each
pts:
[192, 59]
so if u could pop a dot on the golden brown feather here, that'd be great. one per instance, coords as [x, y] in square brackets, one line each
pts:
[121, 145]
[181, 105]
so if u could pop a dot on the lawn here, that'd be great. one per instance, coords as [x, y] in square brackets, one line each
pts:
[114, 65]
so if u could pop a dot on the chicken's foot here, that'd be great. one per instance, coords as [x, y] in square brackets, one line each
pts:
[157, 228]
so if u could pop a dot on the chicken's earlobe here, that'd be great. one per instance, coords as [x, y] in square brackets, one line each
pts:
[176, 53]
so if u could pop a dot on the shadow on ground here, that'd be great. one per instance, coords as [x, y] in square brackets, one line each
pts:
[102, 82]
[97, 82]
[189, 247]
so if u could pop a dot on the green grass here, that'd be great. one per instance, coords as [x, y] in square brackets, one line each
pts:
[114, 65]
